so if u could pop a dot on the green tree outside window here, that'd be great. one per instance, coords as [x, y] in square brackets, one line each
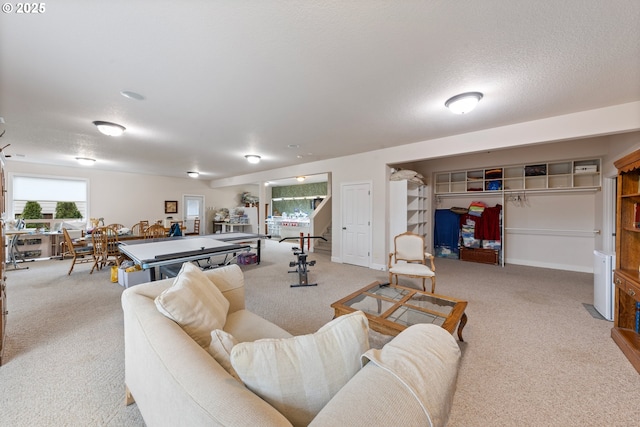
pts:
[32, 210]
[67, 210]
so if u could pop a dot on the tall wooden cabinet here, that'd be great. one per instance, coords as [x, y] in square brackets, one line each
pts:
[627, 274]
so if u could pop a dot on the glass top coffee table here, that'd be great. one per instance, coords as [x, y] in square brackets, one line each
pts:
[391, 308]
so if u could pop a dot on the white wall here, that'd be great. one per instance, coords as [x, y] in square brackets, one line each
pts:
[230, 197]
[123, 198]
[127, 198]
[372, 166]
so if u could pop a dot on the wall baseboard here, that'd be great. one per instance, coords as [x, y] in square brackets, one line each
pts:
[553, 266]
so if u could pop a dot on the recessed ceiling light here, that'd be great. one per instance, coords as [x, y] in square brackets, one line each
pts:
[85, 161]
[464, 102]
[193, 174]
[108, 128]
[293, 146]
[300, 178]
[253, 158]
[132, 95]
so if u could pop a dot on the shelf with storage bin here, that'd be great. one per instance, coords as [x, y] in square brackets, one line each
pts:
[555, 176]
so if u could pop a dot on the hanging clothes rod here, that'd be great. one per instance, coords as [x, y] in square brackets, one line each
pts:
[552, 232]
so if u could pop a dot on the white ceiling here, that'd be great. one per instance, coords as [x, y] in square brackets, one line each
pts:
[222, 79]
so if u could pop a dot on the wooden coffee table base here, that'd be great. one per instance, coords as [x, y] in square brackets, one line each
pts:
[463, 322]
[391, 308]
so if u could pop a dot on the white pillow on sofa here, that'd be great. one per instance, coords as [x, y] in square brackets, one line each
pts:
[195, 303]
[298, 376]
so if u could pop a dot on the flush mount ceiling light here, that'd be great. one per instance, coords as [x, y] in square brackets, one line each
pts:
[253, 158]
[193, 174]
[132, 95]
[300, 178]
[85, 161]
[108, 128]
[463, 103]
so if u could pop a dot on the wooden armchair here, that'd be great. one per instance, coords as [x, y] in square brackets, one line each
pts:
[81, 253]
[410, 259]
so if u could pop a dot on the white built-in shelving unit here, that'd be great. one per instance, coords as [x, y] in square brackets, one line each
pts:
[408, 207]
[583, 174]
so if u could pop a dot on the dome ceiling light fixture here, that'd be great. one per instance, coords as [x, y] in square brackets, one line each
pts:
[108, 128]
[253, 158]
[464, 102]
[193, 174]
[132, 95]
[85, 161]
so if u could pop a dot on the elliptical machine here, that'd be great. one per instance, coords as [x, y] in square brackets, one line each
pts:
[301, 263]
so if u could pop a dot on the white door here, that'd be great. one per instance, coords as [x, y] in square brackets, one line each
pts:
[356, 224]
[193, 208]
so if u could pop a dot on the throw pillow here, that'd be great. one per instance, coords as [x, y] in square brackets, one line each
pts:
[298, 376]
[220, 348]
[195, 303]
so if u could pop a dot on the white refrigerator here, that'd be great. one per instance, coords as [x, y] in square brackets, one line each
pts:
[603, 296]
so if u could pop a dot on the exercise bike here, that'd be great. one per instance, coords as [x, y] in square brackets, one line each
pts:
[301, 263]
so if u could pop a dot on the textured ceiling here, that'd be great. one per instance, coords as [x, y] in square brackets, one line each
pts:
[222, 79]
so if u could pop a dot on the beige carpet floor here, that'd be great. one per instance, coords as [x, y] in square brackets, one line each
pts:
[532, 356]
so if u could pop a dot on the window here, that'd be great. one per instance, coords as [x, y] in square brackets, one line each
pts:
[48, 191]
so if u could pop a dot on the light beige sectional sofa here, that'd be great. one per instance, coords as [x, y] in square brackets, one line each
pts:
[176, 381]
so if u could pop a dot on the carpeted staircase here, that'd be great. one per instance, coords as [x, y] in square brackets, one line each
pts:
[321, 246]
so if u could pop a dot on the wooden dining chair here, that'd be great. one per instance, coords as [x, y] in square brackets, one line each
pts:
[179, 222]
[112, 254]
[139, 228]
[105, 247]
[155, 231]
[81, 253]
[196, 228]
[98, 248]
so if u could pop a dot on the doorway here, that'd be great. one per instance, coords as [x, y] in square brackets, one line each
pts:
[193, 209]
[356, 223]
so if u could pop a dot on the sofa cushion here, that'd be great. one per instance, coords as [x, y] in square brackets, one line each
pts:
[428, 371]
[247, 326]
[299, 375]
[195, 303]
[220, 348]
